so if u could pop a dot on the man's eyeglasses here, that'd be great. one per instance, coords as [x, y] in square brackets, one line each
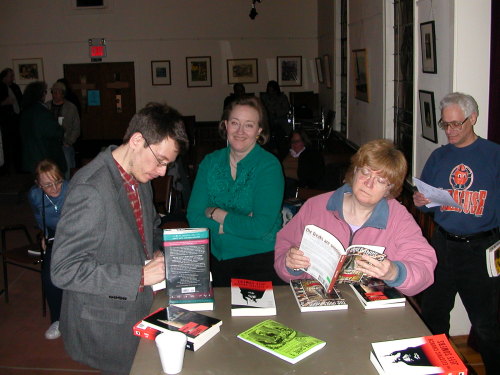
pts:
[160, 163]
[51, 185]
[454, 125]
[367, 173]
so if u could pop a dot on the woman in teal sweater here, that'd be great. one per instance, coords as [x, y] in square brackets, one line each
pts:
[238, 194]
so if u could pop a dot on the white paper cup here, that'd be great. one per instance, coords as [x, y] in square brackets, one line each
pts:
[171, 346]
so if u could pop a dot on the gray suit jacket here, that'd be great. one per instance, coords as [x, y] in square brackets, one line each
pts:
[97, 260]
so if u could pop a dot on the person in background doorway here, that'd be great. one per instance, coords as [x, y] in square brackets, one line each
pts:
[40, 133]
[303, 166]
[46, 199]
[66, 114]
[238, 92]
[10, 108]
[468, 167]
[237, 194]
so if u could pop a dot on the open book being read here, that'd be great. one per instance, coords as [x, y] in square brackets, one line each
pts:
[330, 262]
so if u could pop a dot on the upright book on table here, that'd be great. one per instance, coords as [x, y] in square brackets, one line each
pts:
[311, 296]
[330, 262]
[198, 328]
[417, 356]
[493, 259]
[252, 298]
[376, 294]
[282, 341]
[187, 268]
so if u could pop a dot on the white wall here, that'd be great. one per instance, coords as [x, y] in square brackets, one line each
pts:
[366, 30]
[166, 30]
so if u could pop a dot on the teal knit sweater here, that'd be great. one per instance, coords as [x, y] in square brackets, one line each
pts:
[257, 190]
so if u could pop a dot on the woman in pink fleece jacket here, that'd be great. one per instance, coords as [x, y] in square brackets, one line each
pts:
[364, 212]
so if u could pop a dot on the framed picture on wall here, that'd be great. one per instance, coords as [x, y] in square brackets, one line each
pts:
[428, 47]
[428, 115]
[326, 71]
[360, 69]
[199, 71]
[28, 70]
[242, 71]
[160, 73]
[289, 70]
[319, 70]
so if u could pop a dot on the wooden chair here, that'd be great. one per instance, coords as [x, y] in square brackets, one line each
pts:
[304, 194]
[28, 256]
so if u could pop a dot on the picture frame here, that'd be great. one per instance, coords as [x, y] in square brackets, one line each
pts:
[242, 71]
[199, 71]
[428, 47]
[428, 115]
[361, 79]
[319, 70]
[289, 69]
[160, 73]
[28, 70]
[327, 71]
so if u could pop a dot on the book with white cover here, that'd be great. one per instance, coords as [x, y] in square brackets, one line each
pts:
[252, 298]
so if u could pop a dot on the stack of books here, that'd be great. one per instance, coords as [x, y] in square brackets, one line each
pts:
[252, 298]
[311, 296]
[375, 294]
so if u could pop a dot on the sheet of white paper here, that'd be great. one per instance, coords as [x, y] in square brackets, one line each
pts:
[438, 197]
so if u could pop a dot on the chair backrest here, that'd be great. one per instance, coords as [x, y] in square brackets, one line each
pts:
[306, 193]
[162, 193]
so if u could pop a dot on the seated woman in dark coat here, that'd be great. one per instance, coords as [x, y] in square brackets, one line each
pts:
[303, 166]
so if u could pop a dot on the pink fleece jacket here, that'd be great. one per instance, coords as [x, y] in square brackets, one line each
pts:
[391, 226]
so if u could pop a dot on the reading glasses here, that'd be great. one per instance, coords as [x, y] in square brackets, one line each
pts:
[454, 125]
[160, 163]
[367, 173]
[52, 184]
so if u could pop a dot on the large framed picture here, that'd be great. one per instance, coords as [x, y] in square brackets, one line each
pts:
[242, 71]
[319, 70]
[289, 70]
[160, 73]
[428, 115]
[428, 47]
[199, 71]
[28, 70]
[360, 69]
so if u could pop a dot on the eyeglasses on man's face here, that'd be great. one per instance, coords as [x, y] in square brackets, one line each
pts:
[453, 125]
[366, 174]
[162, 164]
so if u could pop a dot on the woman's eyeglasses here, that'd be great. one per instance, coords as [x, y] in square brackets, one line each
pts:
[366, 174]
[51, 185]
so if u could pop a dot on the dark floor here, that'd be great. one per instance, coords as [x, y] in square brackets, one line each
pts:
[23, 348]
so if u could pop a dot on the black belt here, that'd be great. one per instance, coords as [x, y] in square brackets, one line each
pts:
[468, 237]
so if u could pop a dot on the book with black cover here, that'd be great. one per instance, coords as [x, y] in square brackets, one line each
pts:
[419, 355]
[198, 328]
[282, 341]
[311, 296]
[376, 294]
[330, 262]
[187, 268]
[252, 298]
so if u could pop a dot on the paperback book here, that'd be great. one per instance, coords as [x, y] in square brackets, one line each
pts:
[493, 259]
[282, 341]
[187, 268]
[330, 262]
[417, 356]
[375, 294]
[311, 296]
[252, 298]
[198, 328]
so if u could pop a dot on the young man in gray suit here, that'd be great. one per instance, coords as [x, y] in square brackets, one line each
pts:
[108, 229]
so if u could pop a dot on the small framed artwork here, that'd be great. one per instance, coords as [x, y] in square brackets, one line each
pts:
[199, 71]
[28, 70]
[242, 71]
[428, 47]
[319, 70]
[428, 115]
[326, 71]
[289, 70]
[160, 73]
[360, 69]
